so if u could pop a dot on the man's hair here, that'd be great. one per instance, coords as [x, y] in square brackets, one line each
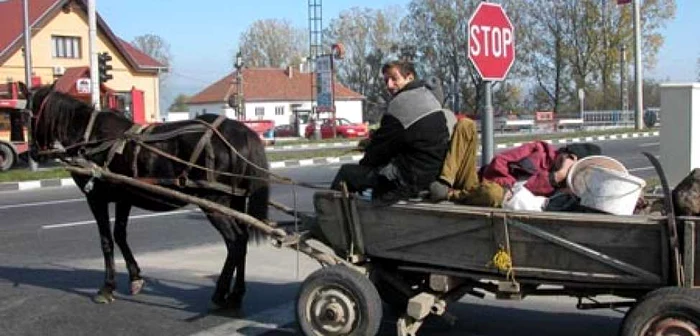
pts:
[405, 67]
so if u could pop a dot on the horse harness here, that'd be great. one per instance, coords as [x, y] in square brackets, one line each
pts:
[141, 135]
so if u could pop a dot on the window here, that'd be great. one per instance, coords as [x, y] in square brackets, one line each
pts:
[65, 46]
[259, 111]
[279, 110]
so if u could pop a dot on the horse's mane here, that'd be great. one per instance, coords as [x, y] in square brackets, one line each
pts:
[62, 114]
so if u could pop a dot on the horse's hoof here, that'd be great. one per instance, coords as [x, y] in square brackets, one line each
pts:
[136, 286]
[103, 297]
[229, 303]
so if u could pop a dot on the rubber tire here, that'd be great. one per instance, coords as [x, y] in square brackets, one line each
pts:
[366, 298]
[8, 157]
[662, 301]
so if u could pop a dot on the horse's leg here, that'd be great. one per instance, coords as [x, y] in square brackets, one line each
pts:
[240, 250]
[120, 221]
[100, 210]
[223, 284]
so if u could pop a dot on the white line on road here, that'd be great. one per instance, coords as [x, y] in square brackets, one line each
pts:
[12, 206]
[258, 324]
[650, 144]
[171, 213]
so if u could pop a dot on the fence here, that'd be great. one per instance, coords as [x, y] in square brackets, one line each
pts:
[609, 118]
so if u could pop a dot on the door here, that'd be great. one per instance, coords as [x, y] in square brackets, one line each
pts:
[137, 106]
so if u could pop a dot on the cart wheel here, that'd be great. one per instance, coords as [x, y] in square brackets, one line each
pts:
[670, 311]
[337, 300]
[7, 157]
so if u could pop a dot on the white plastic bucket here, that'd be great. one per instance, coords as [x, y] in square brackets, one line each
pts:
[604, 184]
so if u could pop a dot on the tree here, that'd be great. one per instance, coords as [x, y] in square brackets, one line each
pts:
[179, 104]
[156, 47]
[272, 43]
[368, 35]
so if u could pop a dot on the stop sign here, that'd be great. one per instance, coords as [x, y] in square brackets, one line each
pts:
[491, 41]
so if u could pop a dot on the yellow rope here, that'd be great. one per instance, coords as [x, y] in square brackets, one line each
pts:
[503, 262]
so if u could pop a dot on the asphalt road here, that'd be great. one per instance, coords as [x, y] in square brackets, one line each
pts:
[51, 265]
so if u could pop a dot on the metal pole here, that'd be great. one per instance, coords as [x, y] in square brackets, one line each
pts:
[92, 40]
[28, 66]
[487, 126]
[638, 115]
[624, 102]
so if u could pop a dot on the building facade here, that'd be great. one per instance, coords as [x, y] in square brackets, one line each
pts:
[59, 43]
[281, 95]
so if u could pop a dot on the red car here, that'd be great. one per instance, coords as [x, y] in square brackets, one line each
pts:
[344, 129]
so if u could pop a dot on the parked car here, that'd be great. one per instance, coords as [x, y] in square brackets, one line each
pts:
[285, 131]
[344, 129]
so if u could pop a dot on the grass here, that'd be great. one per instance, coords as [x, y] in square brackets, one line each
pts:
[504, 138]
[15, 175]
[26, 175]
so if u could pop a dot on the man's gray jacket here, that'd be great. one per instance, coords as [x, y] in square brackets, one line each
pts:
[413, 136]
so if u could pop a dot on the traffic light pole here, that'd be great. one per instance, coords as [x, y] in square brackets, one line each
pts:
[92, 40]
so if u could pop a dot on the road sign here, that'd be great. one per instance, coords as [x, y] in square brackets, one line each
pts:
[324, 84]
[491, 45]
[82, 86]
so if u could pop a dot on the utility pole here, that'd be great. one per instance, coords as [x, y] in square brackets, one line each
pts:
[28, 65]
[638, 114]
[240, 106]
[92, 40]
[624, 101]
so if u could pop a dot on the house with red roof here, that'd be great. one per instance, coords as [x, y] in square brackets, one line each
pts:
[282, 95]
[60, 55]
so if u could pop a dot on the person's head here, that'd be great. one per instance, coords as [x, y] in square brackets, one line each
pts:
[397, 74]
[576, 152]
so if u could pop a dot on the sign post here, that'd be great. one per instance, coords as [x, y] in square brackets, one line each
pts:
[491, 50]
[324, 89]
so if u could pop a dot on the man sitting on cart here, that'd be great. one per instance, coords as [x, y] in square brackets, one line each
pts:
[406, 153]
[542, 168]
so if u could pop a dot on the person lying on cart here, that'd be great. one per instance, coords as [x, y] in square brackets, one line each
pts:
[405, 153]
[537, 165]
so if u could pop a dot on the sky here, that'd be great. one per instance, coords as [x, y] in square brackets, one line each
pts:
[203, 34]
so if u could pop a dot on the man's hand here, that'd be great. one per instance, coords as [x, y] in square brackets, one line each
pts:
[566, 163]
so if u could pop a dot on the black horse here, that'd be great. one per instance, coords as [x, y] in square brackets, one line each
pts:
[236, 177]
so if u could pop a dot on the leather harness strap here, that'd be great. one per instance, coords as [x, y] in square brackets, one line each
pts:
[204, 142]
[118, 145]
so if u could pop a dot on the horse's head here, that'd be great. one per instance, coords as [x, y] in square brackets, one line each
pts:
[41, 137]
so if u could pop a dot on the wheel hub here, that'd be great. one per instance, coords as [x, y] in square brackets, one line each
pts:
[333, 312]
[675, 327]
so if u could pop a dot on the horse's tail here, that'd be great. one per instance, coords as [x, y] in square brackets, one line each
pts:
[259, 187]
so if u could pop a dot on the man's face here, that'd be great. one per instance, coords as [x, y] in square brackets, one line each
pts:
[395, 81]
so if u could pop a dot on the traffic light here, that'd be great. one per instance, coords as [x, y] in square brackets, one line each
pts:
[104, 67]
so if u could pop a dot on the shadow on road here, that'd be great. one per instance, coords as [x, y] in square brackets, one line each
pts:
[159, 292]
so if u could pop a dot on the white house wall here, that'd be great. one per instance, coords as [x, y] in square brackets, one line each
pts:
[348, 109]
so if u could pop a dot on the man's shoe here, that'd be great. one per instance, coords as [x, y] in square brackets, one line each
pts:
[438, 191]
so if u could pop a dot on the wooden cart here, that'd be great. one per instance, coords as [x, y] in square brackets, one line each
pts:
[419, 257]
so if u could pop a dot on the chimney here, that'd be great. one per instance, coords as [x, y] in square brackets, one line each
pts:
[290, 71]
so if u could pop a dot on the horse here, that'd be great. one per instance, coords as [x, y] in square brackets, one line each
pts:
[228, 167]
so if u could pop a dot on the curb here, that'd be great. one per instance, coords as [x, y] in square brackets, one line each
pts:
[29, 185]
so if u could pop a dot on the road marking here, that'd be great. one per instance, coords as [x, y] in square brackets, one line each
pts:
[171, 213]
[257, 324]
[12, 206]
[650, 144]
